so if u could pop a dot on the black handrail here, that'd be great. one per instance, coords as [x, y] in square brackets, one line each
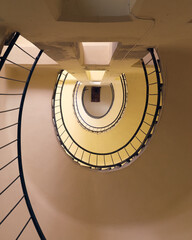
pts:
[146, 133]
[27, 200]
[18, 139]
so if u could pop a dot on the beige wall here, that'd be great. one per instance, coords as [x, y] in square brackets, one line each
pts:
[151, 199]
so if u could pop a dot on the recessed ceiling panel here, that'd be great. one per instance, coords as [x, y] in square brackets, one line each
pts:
[90, 11]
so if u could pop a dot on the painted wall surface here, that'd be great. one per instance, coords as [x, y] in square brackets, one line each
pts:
[150, 199]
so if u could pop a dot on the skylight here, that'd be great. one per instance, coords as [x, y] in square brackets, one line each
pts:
[98, 53]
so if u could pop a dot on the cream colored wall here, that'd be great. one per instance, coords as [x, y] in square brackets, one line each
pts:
[151, 199]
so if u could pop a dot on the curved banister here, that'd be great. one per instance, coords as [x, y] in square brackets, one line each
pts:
[27, 200]
[135, 144]
[25, 196]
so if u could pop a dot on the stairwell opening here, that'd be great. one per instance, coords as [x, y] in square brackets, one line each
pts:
[118, 142]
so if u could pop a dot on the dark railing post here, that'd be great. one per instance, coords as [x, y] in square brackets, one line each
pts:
[159, 85]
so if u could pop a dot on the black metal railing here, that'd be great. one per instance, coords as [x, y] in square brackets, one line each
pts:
[102, 127]
[134, 145]
[13, 115]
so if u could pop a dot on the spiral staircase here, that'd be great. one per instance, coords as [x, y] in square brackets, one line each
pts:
[101, 154]
[49, 186]
[69, 115]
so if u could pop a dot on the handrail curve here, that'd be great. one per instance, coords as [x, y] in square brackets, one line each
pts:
[135, 145]
[18, 124]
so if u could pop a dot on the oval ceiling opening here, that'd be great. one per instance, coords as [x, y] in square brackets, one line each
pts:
[98, 100]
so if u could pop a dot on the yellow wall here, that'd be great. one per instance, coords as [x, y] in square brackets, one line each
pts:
[124, 130]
